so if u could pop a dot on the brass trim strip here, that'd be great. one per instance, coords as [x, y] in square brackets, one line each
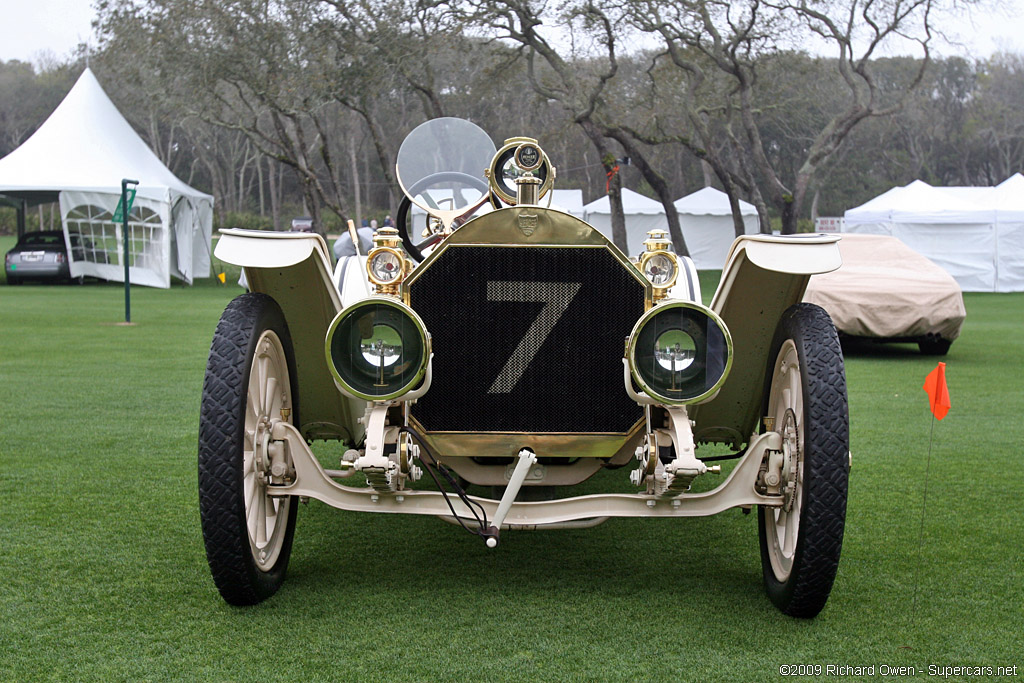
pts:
[546, 444]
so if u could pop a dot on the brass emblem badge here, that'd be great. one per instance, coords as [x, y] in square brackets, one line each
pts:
[527, 223]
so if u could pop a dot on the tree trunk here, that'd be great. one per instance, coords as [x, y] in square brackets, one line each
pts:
[366, 180]
[230, 196]
[356, 190]
[739, 229]
[586, 170]
[613, 184]
[659, 186]
[708, 172]
[732, 191]
[762, 210]
[382, 146]
[788, 214]
[259, 173]
[218, 192]
[619, 236]
[311, 207]
[275, 197]
[243, 173]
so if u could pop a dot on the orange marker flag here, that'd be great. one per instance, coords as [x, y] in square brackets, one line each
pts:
[938, 392]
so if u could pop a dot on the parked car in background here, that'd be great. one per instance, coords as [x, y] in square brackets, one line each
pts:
[43, 255]
[302, 224]
[887, 292]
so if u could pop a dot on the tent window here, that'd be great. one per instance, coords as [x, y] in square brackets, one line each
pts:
[100, 236]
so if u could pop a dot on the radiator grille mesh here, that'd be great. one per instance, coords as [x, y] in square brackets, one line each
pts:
[527, 339]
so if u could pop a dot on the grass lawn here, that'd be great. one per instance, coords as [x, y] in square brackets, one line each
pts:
[103, 574]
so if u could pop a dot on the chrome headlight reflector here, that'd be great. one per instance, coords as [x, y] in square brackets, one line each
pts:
[660, 268]
[385, 266]
[377, 349]
[680, 352]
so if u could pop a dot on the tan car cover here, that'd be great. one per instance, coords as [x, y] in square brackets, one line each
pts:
[886, 289]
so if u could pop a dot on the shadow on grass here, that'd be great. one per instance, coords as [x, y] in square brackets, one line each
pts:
[619, 560]
[868, 348]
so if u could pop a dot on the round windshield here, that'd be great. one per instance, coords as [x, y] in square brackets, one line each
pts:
[441, 167]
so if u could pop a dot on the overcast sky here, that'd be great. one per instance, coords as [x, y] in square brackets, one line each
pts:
[32, 28]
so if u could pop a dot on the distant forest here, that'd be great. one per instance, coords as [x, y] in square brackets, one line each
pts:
[283, 108]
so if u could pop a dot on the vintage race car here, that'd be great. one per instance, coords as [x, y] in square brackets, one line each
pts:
[510, 348]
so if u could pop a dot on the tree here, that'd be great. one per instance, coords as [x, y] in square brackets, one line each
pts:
[229, 94]
[27, 98]
[557, 79]
[708, 40]
[998, 125]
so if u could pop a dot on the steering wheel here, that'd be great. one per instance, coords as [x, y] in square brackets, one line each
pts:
[415, 246]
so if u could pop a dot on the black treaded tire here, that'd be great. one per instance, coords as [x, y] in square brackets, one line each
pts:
[826, 465]
[221, 437]
[934, 347]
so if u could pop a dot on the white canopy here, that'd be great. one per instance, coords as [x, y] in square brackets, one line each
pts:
[642, 214]
[1007, 199]
[976, 236]
[1009, 196]
[706, 221]
[1009, 206]
[80, 154]
[570, 201]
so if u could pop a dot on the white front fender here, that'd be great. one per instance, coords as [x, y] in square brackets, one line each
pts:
[264, 249]
[763, 276]
[294, 269]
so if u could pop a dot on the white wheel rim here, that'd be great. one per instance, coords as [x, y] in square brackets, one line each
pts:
[786, 406]
[266, 516]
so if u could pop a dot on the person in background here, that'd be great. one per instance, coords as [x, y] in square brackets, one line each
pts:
[388, 223]
[343, 245]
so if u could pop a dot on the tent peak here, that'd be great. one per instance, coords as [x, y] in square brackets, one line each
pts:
[711, 201]
[86, 144]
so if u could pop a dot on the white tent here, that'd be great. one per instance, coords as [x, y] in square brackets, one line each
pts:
[706, 221]
[1007, 199]
[79, 156]
[570, 201]
[641, 213]
[1009, 205]
[957, 234]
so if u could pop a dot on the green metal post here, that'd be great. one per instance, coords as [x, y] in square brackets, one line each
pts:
[125, 182]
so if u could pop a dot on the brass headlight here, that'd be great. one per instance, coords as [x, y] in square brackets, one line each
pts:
[519, 156]
[385, 264]
[680, 352]
[658, 263]
[660, 268]
[377, 349]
